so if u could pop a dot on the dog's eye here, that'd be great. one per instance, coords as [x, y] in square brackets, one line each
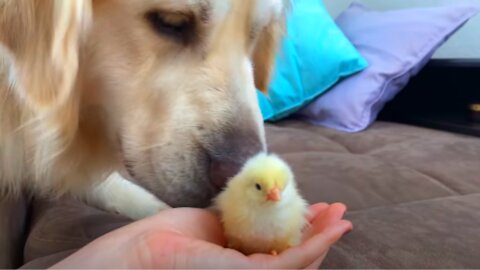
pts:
[178, 26]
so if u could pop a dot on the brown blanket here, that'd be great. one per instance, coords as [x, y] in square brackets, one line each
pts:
[413, 195]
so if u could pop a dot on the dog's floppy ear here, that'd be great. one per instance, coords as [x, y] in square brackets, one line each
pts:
[265, 53]
[43, 37]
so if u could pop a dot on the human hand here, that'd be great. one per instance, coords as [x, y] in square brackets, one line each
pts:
[193, 238]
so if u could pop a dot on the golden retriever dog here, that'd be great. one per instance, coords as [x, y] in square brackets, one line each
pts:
[132, 105]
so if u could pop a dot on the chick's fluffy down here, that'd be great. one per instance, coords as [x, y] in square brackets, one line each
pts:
[252, 222]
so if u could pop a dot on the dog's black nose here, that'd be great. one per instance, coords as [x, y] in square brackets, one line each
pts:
[221, 171]
[224, 167]
[229, 151]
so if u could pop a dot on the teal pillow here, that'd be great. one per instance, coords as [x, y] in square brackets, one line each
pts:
[314, 55]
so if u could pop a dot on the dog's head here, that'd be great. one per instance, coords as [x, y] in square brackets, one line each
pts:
[173, 83]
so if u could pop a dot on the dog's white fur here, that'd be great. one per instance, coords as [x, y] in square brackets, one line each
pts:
[91, 89]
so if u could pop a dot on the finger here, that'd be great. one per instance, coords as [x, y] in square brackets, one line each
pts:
[335, 212]
[337, 231]
[306, 254]
[318, 262]
[316, 210]
[329, 216]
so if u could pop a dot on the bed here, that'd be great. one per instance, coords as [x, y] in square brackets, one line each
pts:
[413, 196]
[413, 192]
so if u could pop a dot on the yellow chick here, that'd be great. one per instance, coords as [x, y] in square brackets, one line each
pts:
[261, 209]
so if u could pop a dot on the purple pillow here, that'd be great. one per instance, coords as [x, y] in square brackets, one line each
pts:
[397, 44]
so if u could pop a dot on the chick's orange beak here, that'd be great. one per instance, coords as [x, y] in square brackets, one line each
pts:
[273, 195]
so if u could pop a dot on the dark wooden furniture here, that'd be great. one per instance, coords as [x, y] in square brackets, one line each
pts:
[440, 97]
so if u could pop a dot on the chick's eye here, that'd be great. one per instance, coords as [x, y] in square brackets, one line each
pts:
[258, 186]
[178, 26]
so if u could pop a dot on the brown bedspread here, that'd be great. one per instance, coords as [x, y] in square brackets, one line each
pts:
[413, 196]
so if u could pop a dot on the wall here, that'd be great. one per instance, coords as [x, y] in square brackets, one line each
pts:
[464, 44]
